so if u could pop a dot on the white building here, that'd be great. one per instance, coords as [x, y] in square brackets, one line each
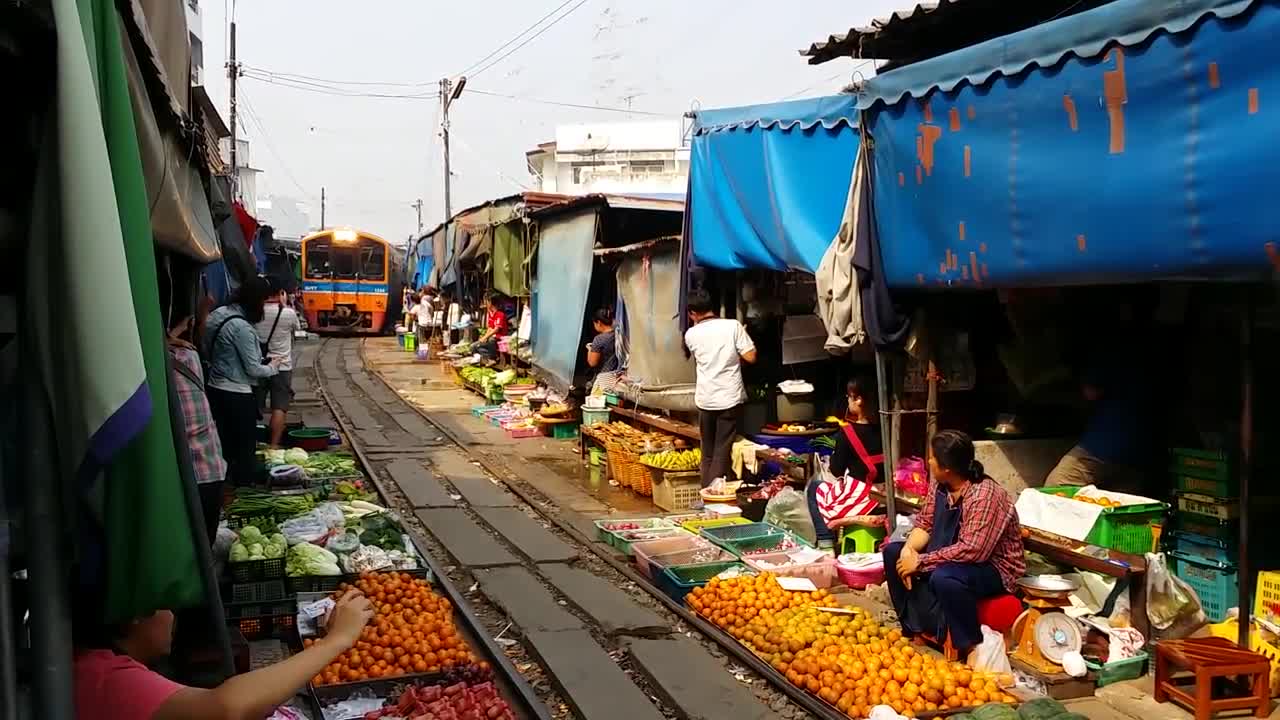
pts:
[639, 157]
[247, 187]
[195, 33]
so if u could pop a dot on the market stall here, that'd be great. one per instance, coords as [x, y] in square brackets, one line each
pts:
[320, 529]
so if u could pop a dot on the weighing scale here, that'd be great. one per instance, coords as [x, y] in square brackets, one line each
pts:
[1043, 633]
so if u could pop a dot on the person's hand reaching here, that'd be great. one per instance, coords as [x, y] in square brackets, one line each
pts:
[908, 563]
[348, 618]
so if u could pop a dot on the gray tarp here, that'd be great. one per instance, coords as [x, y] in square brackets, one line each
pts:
[180, 218]
[649, 283]
[565, 261]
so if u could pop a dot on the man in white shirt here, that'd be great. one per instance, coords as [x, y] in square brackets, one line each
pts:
[275, 332]
[719, 347]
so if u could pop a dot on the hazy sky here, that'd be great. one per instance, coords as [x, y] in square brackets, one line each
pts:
[376, 155]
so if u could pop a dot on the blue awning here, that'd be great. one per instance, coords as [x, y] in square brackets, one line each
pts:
[1124, 22]
[768, 183]
[1123, 164]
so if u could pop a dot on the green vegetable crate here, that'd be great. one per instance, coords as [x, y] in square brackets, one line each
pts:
[1203, 471]
[1124, 529]
[1118, 671]
[263, 621]
[680, 580]
[329, 583]
[255, 592]
[249, 571]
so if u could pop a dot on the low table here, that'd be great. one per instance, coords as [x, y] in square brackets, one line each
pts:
[1214, 663]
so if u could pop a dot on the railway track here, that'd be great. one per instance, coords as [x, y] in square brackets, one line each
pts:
[578, 632]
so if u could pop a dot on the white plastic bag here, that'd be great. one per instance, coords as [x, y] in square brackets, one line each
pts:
[990, 655]
[789, 510]
[1170, 599]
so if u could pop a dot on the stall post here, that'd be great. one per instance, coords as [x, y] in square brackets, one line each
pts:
[882, 387]
[1246, 470]
[931, 404]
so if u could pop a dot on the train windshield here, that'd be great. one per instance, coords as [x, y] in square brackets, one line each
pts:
[319, 261]
[373, 260]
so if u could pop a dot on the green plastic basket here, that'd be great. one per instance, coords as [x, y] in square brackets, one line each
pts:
[752, 537]
[1120, 670]
[679, 580]
[697, 526]
[1124, 529]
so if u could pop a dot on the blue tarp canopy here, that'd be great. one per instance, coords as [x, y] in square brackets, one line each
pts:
[768, 183]
[422, 256]
[565, 260]
[1127, 143]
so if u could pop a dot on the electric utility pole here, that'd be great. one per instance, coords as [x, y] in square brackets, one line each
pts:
[233, 73]
[418, 206]
[322, 225]
[449, 91]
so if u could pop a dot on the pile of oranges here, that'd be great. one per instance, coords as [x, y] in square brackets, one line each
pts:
[847, 659]
[734, 602]
[412, 632]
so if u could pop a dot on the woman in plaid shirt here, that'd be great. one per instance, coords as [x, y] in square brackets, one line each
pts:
[966, 546]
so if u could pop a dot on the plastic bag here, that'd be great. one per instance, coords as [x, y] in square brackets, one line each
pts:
[1169, 598]
[911, 476]
[331, 514]
[345, 542]
[308, 528]
[990, 656]
[789, 510]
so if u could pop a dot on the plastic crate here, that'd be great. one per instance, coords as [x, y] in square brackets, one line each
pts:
[1124, 529]
[263, 621]
[1215, 583]
[1225, 530]
[1205, 486]
[256, 592]
[627, 539]
[562, 431]
[250, 571]
[821, 572]
[1209, 506]
[480, 410]
[519, 433]
[607, 530]
[675, 491]
[329, 583]
[698, 525]
[1266, 597]
[1118, 671]
[1207, 464]
[645, 551]
[595, 417]
[678, 581]
[1209, 548]
[1230, 630]
[751, 538]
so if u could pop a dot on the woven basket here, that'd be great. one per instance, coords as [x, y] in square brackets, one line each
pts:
[617, 467]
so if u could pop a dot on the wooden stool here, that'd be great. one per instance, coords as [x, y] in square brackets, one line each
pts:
[1246, 675]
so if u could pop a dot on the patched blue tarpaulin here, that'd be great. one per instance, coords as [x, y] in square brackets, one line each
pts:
[1131, 142]
[768, 183]
[565, 260]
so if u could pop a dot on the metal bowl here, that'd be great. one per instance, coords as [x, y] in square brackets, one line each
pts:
[1046, 586]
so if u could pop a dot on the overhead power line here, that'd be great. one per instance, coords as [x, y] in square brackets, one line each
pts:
[603, 108]
[508, 43]
[529, 39]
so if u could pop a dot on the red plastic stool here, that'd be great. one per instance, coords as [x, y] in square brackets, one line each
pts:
[997, 612]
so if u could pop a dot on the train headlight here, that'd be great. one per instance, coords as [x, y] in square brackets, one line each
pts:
[344, 235]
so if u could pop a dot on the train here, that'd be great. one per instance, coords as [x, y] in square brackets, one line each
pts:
[352, 282]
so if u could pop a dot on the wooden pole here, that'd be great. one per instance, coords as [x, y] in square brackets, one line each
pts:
[886, 437]
[931, 404]
[1246, 470]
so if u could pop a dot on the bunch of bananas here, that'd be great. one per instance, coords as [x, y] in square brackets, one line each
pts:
[674, 459]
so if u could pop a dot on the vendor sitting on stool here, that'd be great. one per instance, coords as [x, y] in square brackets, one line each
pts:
[966, 546]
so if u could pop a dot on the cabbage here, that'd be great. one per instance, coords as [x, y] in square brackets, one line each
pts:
[295, 456]
[250, 535]
[307, 559]
[238, 552]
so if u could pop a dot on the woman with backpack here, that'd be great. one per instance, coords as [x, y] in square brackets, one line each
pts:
[235, 359]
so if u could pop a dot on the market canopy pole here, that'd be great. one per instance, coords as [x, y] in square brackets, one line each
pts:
[1246, 469]
[882, 387]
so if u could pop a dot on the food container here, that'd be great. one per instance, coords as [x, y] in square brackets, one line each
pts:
[1126, 528]
[678, 581]
[860, 578]
[1118, 671]
[311, 439]
[753, 538]
[645, 551]
[607, 530]
[821, 571]
[628, 538]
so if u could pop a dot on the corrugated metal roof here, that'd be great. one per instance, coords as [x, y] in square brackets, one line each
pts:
[1124, 22]
[829, 112]
[933, 28]
[624, 202]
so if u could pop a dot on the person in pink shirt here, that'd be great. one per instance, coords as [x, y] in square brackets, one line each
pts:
[112, 681]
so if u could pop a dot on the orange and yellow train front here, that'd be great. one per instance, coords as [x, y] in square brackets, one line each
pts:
[345, 281]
